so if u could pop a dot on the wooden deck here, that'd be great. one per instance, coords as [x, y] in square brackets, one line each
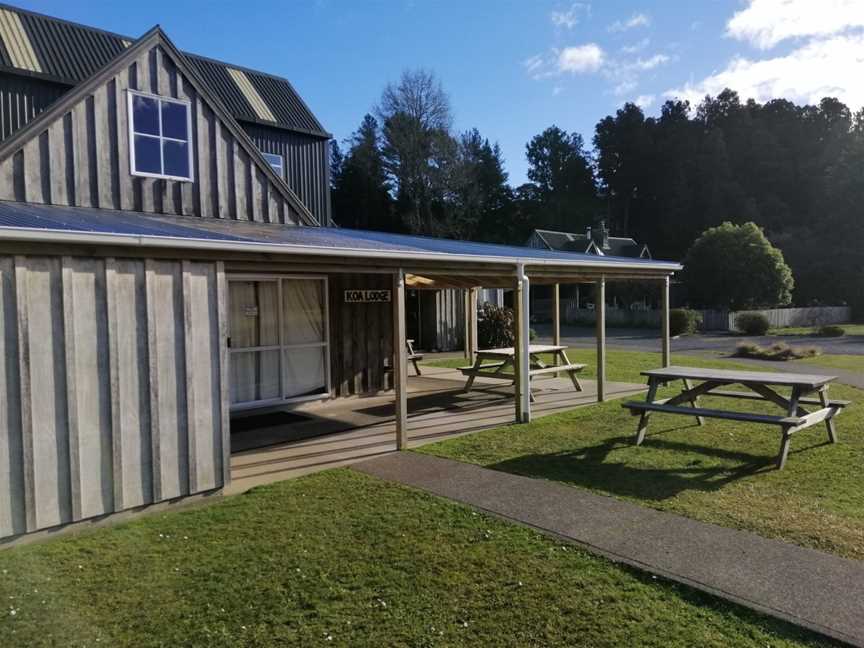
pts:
[347, 430]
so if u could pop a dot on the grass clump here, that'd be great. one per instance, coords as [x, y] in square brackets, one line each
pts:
[778, 352]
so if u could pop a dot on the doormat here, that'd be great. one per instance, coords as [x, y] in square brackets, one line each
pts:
[270, 419]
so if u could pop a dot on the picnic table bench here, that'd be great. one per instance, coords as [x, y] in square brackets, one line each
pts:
[500, 364]
[762, 386]
[412, 356]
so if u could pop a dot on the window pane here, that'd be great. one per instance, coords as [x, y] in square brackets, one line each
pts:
[147, 154]
[303, 314]
[304, 372]
[174, 120]
[254, 376]
[274, 161]
[253, 313]
[145, 115]
[176, 158]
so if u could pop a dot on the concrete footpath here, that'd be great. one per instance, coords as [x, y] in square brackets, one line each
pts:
[812, 589]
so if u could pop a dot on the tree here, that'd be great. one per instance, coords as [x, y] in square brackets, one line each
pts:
[736, 267]
[560, 170]
[360, 186]
[483, 201]
[418, 150]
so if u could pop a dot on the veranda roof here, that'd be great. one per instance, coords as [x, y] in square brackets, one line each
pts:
[61, 224]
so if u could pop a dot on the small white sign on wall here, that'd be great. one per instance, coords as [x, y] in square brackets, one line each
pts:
[367, 296]
[250, 311]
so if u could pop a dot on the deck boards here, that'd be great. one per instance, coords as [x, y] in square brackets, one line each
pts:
[361, 428]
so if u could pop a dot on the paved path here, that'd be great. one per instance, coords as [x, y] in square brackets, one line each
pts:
[816, 590]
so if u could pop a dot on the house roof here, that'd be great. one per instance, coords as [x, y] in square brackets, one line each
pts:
[57, 50]
[571, 242]
[54, 223]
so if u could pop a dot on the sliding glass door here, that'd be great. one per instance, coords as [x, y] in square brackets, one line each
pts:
[278, 340]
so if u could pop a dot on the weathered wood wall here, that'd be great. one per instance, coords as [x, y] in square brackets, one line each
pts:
[82, 158]
[361, 337]
[111, 387]
[307, 164]
[443, 319]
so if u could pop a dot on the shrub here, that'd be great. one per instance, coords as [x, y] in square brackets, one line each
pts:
[752, 323]
[831, 330]
[495, 326]
[779, 352]
[683, 321]
[736, 267]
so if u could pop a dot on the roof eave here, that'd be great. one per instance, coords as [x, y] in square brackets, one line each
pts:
[34, 235]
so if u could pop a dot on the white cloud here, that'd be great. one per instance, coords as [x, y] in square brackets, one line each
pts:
[765, 23]
[557, 90]
[823, 67]
[644, 101]
[650, 63]
[638, 46]
[636, 20]
[624, 87]
[533, 63]
[580, 58]
[569, 18]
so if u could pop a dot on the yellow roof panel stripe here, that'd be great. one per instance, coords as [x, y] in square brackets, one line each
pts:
[255, 100]
[17, 42]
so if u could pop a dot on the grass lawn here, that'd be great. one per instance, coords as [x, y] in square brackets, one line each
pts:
[848, 362]
[722, 472]
[851, 329]
[341, 559]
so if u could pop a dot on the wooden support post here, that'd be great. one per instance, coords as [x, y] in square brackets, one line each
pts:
[400, 360]
[471, 302]
[466, 322]
[600, 311]
[664, 326]
[523, 344]
[556, 319]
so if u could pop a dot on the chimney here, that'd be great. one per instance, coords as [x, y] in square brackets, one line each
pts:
[605, 235]
[588, 233]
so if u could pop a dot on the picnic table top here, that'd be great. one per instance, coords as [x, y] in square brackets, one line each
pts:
[532, 348]
[812, 381]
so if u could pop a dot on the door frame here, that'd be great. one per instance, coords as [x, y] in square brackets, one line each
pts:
[282, 347]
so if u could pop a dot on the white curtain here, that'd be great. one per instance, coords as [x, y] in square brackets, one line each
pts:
[303, 312]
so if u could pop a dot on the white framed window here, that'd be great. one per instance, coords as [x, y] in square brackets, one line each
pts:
[160, 134]
[277, 162]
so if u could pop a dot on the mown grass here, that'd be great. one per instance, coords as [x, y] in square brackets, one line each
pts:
[341, 559]
[850, 329]
[722, 472]
[847, 362]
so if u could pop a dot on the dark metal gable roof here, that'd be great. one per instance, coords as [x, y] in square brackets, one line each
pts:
[69, 53]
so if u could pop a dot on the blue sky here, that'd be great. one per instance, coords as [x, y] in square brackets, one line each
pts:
[513, 68]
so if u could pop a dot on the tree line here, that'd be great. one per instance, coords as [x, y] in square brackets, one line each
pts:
[795, 171]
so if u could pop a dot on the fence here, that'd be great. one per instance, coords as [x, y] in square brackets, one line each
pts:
[712, 320]
[717, 320]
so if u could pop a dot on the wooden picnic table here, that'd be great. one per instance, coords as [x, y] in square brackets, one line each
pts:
[762, 387]
[500, 364]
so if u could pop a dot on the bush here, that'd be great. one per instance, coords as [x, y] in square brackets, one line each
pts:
[735, 267]
[683, 321]
[495, 326]
[778, 352]
[752, 323]
[831, 330]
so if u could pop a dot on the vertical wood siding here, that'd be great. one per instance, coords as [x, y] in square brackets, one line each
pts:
[443, 313]
[82, 158]
[23, 99]
[111, 386]
[361, 337]
[307, 164]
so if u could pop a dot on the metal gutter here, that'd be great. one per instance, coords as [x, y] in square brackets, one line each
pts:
[27, 234]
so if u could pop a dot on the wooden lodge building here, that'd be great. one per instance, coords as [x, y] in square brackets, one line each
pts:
[167, 260]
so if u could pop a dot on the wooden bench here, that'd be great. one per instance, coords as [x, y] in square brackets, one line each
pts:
[761, 385]
[413, 356]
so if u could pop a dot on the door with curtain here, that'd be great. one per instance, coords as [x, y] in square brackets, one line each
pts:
[278, 340]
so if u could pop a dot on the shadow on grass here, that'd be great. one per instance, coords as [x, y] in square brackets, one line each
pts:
[592, 467]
